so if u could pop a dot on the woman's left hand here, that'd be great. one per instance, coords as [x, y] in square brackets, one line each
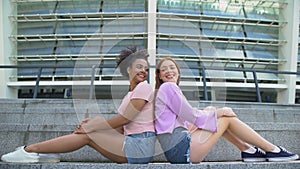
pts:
[80, 130]
[88, 125]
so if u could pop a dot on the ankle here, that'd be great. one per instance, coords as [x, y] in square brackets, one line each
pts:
[250, 150]
[28, 149]
[276, 150]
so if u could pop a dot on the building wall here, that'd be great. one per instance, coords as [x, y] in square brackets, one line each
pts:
[240, 34]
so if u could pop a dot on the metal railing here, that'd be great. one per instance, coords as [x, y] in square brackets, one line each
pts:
[201, 68]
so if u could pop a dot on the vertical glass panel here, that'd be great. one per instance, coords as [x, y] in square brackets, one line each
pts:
[124, 6]
[299, 44]
[179, 6]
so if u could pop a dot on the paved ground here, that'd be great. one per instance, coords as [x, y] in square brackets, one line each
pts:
[204, 165]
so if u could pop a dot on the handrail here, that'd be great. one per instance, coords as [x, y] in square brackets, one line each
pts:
[201, 68]
[41, 68]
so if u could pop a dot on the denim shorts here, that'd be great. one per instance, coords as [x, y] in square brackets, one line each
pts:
[176, 146]
[139, 148]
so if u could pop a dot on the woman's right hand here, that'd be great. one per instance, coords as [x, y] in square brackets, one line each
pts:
[225, 112]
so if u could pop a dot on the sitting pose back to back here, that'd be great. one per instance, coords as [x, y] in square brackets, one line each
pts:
[135, 118]
[197, 131]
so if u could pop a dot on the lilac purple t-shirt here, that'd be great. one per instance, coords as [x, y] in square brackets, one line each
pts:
[172, 110]
[144, 120]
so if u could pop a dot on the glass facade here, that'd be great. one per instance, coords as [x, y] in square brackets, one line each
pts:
[211, 33]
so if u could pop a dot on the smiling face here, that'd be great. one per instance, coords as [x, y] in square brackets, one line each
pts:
[168, 71]
[138, 72]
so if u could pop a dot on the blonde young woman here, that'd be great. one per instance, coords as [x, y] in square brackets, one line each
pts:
[197, 131]
[127, 137]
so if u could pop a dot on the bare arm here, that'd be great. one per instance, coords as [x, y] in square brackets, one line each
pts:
[99, 123]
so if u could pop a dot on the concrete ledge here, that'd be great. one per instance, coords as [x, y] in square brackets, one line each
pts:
[204, 165]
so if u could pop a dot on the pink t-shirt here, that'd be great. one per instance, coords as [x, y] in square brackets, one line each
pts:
[144, 120]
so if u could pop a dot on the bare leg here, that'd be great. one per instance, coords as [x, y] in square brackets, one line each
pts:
[233, 139]
[108, 143]
[242, 131]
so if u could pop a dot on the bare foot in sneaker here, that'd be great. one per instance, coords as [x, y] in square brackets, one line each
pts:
[20, 156]
[281, 154]
[253, 154]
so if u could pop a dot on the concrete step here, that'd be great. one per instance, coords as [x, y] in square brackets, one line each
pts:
[14, 135]
[204, 165]
[71, 112]
[27, 121]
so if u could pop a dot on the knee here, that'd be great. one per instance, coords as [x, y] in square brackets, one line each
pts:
[86, 137]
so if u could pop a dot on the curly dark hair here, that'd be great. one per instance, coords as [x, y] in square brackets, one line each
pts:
[128, 56]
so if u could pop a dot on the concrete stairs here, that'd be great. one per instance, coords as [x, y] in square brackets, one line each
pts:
[26, 121]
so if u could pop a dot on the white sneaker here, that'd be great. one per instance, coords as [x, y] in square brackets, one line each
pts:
[20, 156]
[48, 158]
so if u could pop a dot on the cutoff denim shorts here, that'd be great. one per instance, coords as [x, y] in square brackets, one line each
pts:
[176, 146]
[140, 148]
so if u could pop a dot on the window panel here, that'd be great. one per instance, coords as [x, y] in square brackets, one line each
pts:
[222, 30]
[124, 6]
[125, 26]
[179, 6]
[78, 6]
[69, 47]
[262, 13]
[36, 8]
[261, 32]
[80, 27]
[177, 27]
[35, 71]
[222, 74]
[35, 28]
[175, 48]
[35, 48]
[262, 52]
[223, 9]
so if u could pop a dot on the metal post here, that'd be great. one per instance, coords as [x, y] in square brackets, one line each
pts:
[256, 87]
[204, 83]
[92, 83]
[36, 87]
[92, 88]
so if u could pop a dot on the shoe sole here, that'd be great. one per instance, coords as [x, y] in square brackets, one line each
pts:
[19, 161]
[49, 160]
[278, 159]
[254, 159]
